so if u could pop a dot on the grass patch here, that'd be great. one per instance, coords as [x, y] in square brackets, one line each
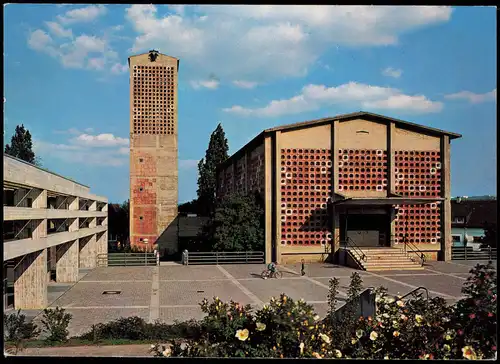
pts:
[79, 342]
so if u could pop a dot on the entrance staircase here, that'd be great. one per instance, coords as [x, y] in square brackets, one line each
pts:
[378, 259]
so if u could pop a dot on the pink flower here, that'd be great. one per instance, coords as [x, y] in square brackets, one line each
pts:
[494, 348]
[460, 332]
[472, 316]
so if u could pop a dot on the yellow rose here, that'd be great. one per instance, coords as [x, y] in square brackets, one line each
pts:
[400, 303]
[301, 346]
[469, 353]
[337, 353]
[373, 336]
[354, 341]
[167, 352]
[325, 338]
[419, 319]
[446, 347]
[316, 355]
[395, 333]
[260, 326]
[242, 335]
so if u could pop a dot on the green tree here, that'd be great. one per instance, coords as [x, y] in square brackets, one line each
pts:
[237, 224]
[21, 146]
[490, 235]
[216, 153]
[188, 207]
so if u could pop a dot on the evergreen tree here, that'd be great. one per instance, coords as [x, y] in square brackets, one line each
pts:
[21, 146]
[236, 225]
[216, 153]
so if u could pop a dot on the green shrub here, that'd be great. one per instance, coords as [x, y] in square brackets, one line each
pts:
[55, 324]
[16, 327]
[135, 328]
[17, 330]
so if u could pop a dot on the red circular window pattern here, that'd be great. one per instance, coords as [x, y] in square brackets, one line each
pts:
[418, 174]
[305, 188]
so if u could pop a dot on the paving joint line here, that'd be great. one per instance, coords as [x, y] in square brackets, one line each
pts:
[69, 307]
[412, 286]
[154, 308]
[445, 274]
[251, 295]
[120, 281]
[342, 293]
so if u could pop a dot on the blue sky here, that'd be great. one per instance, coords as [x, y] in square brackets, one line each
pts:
[250, 68]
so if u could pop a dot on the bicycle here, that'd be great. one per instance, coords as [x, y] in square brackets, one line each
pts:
[268, 274]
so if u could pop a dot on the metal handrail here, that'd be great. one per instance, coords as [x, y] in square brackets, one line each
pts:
[348, 242]
[413, 250]
[224, 257]
[415, 290]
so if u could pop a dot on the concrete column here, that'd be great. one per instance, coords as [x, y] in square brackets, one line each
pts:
[336, 232]
[277, 187]
[39, 199]
[102, 243]
[391, 160]
[30, 281]
[92, 222]
[268, 198]
[38, 228]
[74, 203]
[335, 158]
[446, 239]
[73, 224]
[88, 252]
[92, 205]
[393, 225]
[67, 262]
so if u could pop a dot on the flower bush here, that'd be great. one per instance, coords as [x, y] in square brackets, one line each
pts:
[282, 329]
[409, 328]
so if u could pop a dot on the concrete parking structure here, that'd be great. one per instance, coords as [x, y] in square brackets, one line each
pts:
[51, 225]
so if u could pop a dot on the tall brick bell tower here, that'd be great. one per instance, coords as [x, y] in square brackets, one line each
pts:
[153, 149]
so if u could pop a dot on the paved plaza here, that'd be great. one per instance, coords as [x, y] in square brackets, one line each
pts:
[172, 292]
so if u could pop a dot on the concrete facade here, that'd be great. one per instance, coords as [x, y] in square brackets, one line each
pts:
[393, 173]
[41, 237]
[153, 148]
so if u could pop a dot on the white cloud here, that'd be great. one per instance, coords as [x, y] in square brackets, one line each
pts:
[210, 84]
[96, 63]
[392, 72]
[188, 163]
[97, 150]
[82, 15]
[100, 140]
[472, 97]
[266, 41]
[245, 84]
[78, 154]
[82, 51]
[119, 68]
[58, 30]
[314, 97]
[417, 104]
[124, 151]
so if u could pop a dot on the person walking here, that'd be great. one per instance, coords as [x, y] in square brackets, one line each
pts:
[303, 268]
